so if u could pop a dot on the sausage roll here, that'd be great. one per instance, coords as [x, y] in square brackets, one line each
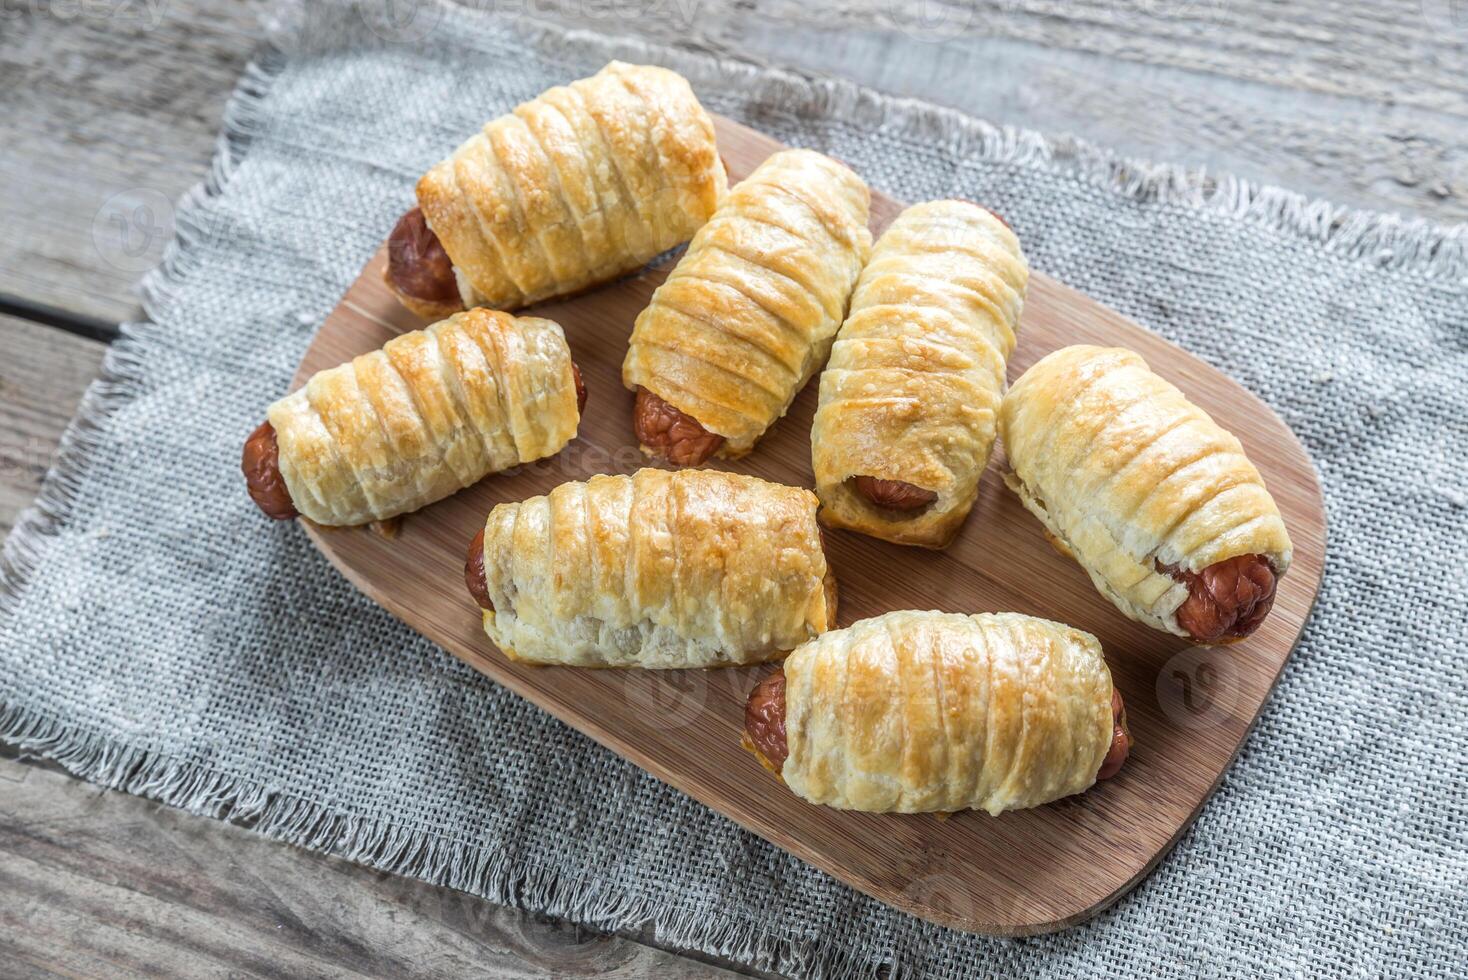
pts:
[1154, 500]
[749, 313]
[911, 394]
[580, 185]
[657, 569]
[915, 712]
[428, 414]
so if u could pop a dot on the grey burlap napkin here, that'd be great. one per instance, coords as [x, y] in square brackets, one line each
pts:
[158, 636]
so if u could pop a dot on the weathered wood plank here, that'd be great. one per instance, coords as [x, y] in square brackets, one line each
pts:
[1356, 151]
[111, 108]
[98, 883]
[1391, 51]
[110, 111]
[42, 376]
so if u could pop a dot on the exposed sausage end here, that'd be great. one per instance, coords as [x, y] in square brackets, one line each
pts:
[893, 494]
[1227, 600]
[417, 264]
[1121, 739]
[664, 431]
[764, 720]
[260, 462]
[580, 389]
[474, 573]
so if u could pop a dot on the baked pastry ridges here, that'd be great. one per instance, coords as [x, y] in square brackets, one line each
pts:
[660, 569]
[581, 185]
[1157, 502]
[909, 399]
[748, 314]
[422, 417]
[938, 712]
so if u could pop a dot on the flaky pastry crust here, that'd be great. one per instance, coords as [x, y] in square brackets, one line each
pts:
[914, 712]
[750, 311]
[1133, 480]
[582, 184]
[913, 387]
[660, 569]
[426, 415]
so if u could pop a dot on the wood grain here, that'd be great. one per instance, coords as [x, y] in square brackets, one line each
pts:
[1021, 873]
[101, 884]
[111, 107]
[43, 374]
[111, 111]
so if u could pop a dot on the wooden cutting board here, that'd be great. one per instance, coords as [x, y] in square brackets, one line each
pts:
[1026, 872]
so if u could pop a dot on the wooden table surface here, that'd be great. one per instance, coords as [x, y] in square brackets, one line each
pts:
[112, 104]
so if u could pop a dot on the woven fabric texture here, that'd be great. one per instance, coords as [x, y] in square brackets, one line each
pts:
[157, 635]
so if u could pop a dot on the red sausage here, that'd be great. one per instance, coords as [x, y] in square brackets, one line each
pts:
[417, 263]
[260, 463]
[893, 494]
[1227, 600]
[1121, 739]
[580, 389]
[764, 719]
[665, 431]
[474, 573]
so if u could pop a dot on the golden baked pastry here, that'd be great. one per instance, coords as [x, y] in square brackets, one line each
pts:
[911, 393]
[428, 414]
[1152, 497]
[578, 186]
[658, 569]
[915, 712]
[749, 313]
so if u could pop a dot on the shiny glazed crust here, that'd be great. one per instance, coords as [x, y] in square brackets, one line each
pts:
[1127, 475]
[580, 185]
[917, 372]
[915, 712]
[693, 568]
[428, 414]
[750, 311]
